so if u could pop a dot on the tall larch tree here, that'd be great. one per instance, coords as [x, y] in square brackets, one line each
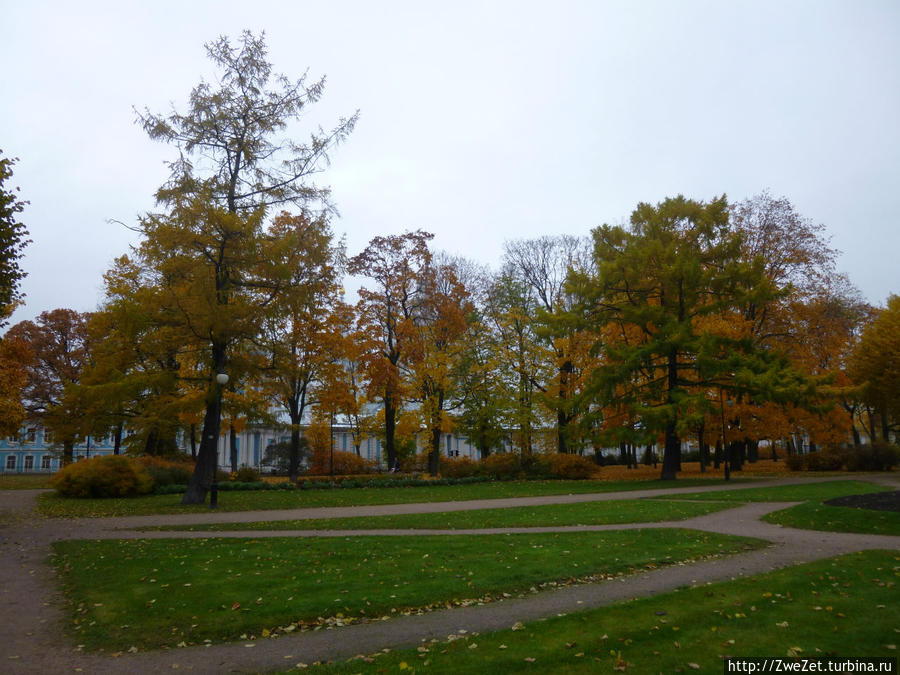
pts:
[13, 240]
[659, 281]
[222, 265]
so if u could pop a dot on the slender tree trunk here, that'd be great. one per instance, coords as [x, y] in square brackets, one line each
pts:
[117, 439]
[194, 441]
[232, 446]
[717, 457]
[885, 426]
[704, 449]
[68, 451]
[562, 414]
[207, 456]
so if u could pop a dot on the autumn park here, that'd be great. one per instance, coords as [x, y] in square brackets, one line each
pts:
[683, 428]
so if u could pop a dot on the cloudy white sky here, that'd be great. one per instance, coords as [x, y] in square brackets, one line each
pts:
[480, 121]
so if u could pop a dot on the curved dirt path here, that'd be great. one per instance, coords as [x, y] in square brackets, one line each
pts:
[31, 608]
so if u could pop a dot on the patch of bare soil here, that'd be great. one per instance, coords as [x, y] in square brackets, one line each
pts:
[876, 501]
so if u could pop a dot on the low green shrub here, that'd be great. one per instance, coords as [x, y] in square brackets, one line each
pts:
[228, 486]
[246, 474]
[109, 476]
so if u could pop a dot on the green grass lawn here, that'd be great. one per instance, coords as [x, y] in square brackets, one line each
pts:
[160, 593]
[843, 606]
[818, 516]
[52, 505]
[24, 481]
[788, 493]
[585, 513]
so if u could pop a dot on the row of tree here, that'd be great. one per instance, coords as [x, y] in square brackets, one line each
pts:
[698, 320]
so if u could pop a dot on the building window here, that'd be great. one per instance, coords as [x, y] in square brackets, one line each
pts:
[30, 435]
[45, 462]
[48, 437]
[10, 462]
[29, 462]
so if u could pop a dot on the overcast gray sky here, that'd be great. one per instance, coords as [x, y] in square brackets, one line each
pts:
[480, 121]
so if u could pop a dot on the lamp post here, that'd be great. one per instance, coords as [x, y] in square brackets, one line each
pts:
[221, 381]
[725, 450]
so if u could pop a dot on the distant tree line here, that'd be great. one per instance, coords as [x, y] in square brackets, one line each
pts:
[722, 323]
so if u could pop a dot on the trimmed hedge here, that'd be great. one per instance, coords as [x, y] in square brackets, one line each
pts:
[166, 471]
[567, 467]
[344, 463]
[228, 486]
[872, 457]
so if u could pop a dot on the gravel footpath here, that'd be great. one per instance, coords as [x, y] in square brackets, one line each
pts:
[31, 608]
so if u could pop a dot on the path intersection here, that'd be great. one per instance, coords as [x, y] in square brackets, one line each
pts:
[32, 613]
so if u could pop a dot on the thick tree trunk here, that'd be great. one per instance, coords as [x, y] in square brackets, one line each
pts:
[717, 457]
[671, 454]
[738, 455]
[294, 450]
[872, 435]
[752, 451]
[885, 427]
[389, 428]
[207, 456]
[68, 451]
[435, 455]
[561, 422]
[117, 439]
